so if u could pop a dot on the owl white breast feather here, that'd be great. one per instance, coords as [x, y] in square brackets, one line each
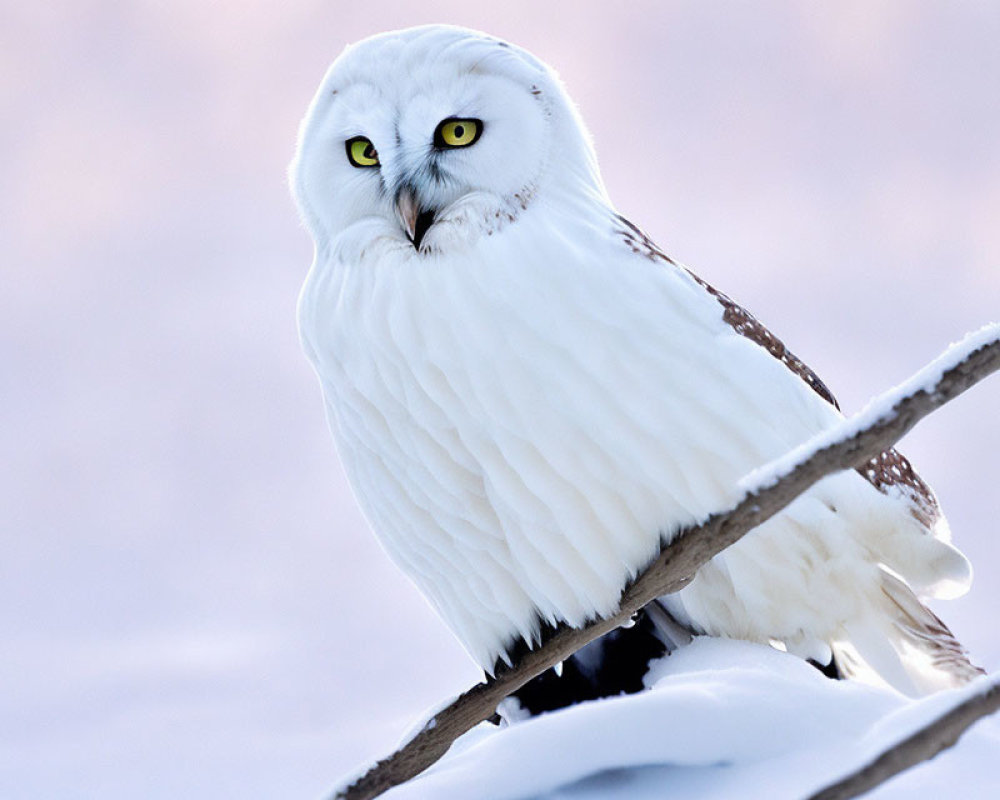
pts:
[529, 397]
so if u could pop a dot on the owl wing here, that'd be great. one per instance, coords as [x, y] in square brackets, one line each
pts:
[889, 472]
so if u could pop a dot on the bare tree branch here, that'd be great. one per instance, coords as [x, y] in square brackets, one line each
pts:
[937, 735]
[844, 447]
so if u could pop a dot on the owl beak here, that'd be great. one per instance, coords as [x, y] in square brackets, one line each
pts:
[415, 221]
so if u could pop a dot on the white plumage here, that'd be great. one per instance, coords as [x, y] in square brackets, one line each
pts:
[529, 397]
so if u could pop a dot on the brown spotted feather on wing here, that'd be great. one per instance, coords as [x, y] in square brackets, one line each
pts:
[889, 472]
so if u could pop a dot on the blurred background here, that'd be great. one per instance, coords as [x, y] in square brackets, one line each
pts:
[190, 603]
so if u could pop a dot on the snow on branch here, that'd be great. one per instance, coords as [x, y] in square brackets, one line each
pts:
[939, 734]
[768, 490]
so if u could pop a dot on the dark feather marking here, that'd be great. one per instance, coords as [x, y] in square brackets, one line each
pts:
[890, 471]
[624, 658]
[615, 664]
[831, 670]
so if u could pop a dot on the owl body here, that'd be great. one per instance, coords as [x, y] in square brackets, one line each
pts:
[528, 404]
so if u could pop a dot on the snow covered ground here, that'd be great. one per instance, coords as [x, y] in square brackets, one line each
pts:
[723, 719]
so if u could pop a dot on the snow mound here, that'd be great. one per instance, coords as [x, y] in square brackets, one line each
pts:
[723, 719]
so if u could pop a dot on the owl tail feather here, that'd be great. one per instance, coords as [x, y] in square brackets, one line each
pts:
[906, 646]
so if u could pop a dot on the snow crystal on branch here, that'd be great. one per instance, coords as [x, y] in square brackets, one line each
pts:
[875, 411]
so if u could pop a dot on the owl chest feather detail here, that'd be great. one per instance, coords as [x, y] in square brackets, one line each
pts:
[524, 431]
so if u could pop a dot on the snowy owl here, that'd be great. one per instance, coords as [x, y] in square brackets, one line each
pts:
[530, 398]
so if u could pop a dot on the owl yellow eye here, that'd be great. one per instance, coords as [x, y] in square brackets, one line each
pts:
[361, 152]
[457, 133]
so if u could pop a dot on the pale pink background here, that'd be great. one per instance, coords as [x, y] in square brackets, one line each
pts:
[191, 604]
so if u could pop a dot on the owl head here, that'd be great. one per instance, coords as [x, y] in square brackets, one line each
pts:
[431, 136]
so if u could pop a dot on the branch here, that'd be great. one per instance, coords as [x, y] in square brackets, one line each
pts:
[845, 446]
[937, 735]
